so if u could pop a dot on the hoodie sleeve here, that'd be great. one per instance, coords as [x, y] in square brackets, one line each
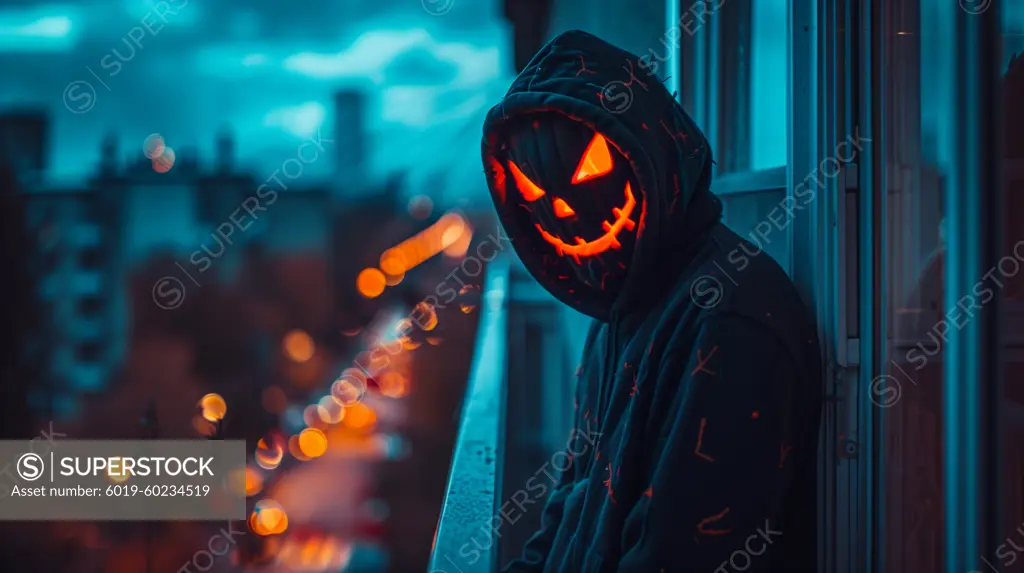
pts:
[720, 460]
[535, 553]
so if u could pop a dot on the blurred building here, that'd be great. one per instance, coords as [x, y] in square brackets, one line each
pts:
[23, 141]
[92, 236]
[350, 141]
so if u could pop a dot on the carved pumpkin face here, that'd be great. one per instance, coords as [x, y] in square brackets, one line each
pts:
[578, 193]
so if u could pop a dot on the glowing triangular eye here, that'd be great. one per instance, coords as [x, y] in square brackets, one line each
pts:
[597, 160]
[530, 191]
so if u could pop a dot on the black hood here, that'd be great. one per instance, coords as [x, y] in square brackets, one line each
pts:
[594, 82]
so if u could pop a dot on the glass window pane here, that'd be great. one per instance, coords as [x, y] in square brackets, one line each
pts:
[768, 78]
[910, 394]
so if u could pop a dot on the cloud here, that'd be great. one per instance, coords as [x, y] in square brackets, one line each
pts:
[419, 66]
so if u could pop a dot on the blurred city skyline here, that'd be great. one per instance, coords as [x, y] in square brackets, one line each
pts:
[262, 71]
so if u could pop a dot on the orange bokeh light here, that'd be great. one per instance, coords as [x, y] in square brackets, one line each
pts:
[299, 346]
[392, 262]
[268, 518]
[393, 384]
[312, 443]
[460, 246]
[360, 417]
[164, 162]
[330, 410]
[213, 407]
[270, 451]
[371, 283]
[295, 450]
[253, 481]
[426, 316]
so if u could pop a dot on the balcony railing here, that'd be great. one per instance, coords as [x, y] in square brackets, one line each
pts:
[475, 476]
[522, 366]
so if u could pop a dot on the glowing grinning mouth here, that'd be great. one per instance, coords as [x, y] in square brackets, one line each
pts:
[609, 240]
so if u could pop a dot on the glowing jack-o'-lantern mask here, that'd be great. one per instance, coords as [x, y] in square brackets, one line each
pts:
[578, 192]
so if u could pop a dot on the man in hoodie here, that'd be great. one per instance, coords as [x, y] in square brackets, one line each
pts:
[704, 384]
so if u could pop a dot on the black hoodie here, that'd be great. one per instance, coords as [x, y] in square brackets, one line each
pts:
[702, 378]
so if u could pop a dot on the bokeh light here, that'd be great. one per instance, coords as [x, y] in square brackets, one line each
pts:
[270, 451]
[360, 417]
[119, 476]
[213, 407]
[392, 262]
[371, 283]
[469, 298]
[403, 332]
[330, 410]
[350, 387]
[460, 246]
[393, 384]
[165, 161]
[425, 315]
[153, 146]
[299, 346]
[315, 552]
[420, 207]
[268, 518]
[311, 416]
[296, 450]
[312, 443]
[253, 481]
[434, 340]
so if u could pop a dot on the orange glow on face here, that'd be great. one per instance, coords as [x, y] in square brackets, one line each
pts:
[609, 240]
[562, 209]
[596, 161]
[371, 283]
[530, 191]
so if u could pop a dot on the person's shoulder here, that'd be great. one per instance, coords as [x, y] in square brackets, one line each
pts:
[736, 276]
[736, 282]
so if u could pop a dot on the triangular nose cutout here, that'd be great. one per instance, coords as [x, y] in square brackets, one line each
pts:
[596, 161]
[562, 209]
